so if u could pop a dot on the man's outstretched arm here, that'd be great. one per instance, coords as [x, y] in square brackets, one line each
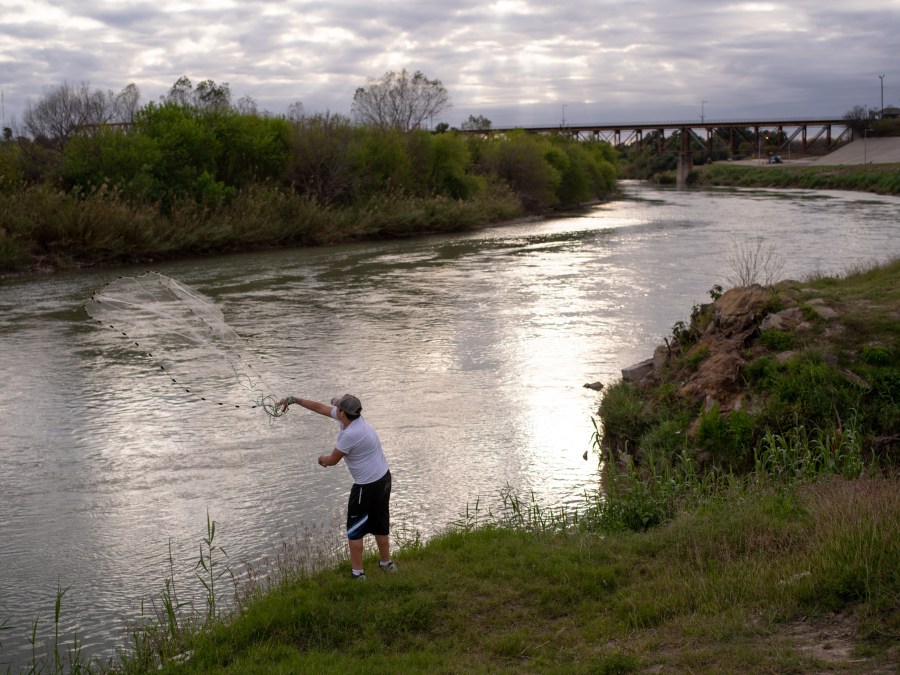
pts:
[315, 406]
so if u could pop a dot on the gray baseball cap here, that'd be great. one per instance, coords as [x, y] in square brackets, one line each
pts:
[348, 403]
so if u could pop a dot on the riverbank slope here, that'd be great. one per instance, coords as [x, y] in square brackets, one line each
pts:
[764, 581]
[763, 360]
[877, 150]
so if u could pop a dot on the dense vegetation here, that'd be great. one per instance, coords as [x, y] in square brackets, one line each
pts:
[183, 179]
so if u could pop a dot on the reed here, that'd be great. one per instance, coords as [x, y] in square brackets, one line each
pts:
[213, 569]
[801, 455]
[41, 227]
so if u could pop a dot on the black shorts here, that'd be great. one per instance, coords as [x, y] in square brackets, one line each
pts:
[368, 511]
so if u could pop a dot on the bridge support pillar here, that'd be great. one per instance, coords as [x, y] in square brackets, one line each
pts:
[685, 166]
[685, 159]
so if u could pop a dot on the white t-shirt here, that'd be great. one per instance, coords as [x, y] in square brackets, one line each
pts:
[362, 450]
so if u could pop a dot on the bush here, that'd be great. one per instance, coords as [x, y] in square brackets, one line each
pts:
[776, 340]
[876, 355]
[809, 388]
[10, 172]
[521, 161]
[625, 417]
[729, 439]
[665, 440]
[762, 372]
[442, 164]
[382, 164]
[890, 127]
[634, 502]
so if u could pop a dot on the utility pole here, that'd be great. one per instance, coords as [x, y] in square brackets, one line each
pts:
[703, 102]
[564, 115]
[881, 114]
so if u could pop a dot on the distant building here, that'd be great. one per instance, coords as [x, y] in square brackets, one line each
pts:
[890, 113]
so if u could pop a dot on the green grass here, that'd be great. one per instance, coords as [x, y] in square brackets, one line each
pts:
[744, 575]
[713, 590]
[880, 179]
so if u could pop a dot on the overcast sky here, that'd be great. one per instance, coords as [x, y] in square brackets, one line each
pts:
[517, 62]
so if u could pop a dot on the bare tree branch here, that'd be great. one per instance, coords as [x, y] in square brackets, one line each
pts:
[65, 109]
[754, 262]
[398, 101]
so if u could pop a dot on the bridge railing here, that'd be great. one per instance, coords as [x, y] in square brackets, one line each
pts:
[679, 124]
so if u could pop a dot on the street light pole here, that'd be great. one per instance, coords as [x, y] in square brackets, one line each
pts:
[564, 115]
[881, 114]
[703, 102]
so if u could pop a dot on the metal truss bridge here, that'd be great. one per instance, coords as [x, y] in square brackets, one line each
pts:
[772, 135]
[777, 133]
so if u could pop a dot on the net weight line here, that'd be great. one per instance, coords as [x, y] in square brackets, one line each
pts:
[189, 329]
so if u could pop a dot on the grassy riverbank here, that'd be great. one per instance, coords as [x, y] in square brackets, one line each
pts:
[760, 578]
[880, 179]
[808, 366]
[753, 575]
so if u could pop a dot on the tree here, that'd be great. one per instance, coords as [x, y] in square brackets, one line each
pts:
[523, 161]
[213, 97]
[65, 109]
[400, 101]
[207, 95]
[127, 103]
[126, 162]
[858, 117]
[185, 153]
[480, 123]
[246, 105]
[324, 151]
[181, 93]
[251, 148]
[295, 112]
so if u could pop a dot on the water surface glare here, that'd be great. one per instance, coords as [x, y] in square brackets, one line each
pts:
[468, 351]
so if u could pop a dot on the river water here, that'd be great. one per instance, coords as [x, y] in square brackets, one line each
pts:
[469, 352]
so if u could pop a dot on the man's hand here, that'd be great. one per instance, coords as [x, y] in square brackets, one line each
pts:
[332, 459]
[283, 404]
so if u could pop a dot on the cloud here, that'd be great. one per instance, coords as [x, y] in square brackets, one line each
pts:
[515, 61]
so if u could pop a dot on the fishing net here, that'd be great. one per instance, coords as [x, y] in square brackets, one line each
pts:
[187, 337]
